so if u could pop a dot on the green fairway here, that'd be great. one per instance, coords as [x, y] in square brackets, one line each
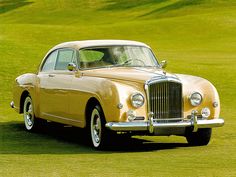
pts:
[197, 37]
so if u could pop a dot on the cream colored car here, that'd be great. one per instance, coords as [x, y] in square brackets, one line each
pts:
[110, 86]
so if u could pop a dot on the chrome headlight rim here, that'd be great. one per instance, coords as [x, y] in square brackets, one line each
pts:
[132, 99]
[194, 102]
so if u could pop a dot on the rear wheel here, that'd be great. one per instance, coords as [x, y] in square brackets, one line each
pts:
[200, 138]
[98, 132]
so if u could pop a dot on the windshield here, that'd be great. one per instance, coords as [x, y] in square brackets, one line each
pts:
[116, 56]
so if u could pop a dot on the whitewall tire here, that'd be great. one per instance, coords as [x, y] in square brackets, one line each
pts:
[28, 114]
[98, 131]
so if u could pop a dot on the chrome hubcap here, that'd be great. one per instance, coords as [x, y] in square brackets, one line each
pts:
[96, 128]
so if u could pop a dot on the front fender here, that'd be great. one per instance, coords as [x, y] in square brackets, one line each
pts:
[121, 92]
[210, 95]
[23, 83]
[109, 93]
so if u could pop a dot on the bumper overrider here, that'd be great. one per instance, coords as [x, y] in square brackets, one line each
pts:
[12, 104]
[152, 124]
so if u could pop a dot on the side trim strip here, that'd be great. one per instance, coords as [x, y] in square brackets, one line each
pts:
[63, 118]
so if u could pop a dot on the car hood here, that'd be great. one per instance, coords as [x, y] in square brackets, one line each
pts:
[134, 74]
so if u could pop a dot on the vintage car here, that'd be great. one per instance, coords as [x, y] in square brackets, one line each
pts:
[108, 86]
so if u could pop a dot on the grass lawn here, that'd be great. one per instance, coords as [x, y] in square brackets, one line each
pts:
[197, 37]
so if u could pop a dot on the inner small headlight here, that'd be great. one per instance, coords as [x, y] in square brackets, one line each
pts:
[137, 100]
[195, 99]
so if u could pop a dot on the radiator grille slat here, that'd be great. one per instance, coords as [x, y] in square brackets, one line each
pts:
[166, 100]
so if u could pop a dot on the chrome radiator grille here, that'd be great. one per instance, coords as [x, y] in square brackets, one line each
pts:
[165, 100]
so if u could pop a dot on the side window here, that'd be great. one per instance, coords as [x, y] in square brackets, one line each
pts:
[65, 56]
[49, 64]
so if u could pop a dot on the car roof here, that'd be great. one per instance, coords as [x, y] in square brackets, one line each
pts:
[97, 43]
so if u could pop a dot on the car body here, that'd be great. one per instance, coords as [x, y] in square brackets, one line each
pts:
[116, 86]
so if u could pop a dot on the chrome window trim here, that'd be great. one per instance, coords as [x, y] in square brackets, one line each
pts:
[57, 50]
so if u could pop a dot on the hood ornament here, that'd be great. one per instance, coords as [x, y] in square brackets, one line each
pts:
[163, 76]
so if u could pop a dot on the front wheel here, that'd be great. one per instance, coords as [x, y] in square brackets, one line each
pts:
[28, 114]
[200, 138]
[98, 132]
[31, 122]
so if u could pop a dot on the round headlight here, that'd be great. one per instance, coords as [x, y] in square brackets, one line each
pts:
[137, 100]
[195, 99]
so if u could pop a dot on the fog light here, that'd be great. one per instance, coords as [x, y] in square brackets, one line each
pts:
[205, 112]
[131, 115]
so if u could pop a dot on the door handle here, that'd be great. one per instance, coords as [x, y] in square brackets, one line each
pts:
[51, 75]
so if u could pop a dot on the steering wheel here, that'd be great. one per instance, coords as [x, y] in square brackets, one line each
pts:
[134, 59]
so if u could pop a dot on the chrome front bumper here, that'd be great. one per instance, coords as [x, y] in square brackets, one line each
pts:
[152, 124]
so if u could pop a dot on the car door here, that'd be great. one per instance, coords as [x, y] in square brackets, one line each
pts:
[55, 83]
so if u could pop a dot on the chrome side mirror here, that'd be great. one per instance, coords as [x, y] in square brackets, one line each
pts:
[163, 64]
[71, 67]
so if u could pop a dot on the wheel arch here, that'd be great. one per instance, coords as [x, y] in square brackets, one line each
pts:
[91, 102]
[24, 94]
